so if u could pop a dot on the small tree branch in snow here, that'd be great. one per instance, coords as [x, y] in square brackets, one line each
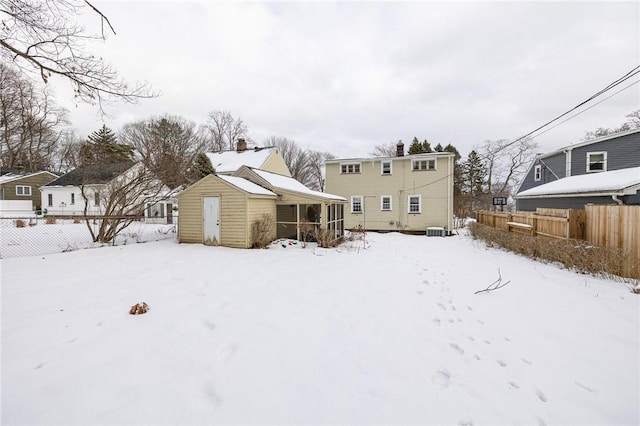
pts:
[494, 285]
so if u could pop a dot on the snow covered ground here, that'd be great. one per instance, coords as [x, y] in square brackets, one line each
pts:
[390, 334]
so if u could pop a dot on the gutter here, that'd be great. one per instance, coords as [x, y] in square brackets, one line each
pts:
[617, 200]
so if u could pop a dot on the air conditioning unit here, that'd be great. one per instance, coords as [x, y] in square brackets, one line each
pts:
[436, 231]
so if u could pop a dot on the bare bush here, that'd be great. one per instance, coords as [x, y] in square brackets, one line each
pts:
[263, 231]
[50, 220]
[20, 223]
[576, 255]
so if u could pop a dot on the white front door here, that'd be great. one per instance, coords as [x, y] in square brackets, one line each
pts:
[211, 214]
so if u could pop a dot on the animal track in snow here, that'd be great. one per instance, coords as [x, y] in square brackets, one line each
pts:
[456, 348]
[487, 342]
[526, 361]
[541, 396]
[587, 388]
[436, 321]
[471, 338]
[514, 385]
[501, 363]
[441, 378]
[477, 357]
[441, 306]
[507, 339]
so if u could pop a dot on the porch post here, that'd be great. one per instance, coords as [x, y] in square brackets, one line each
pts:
[298, 222]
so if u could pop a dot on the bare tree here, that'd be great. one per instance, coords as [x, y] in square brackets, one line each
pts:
[505, 163]
[120, 201]
[167, 145]
[316, 161]
[296, 158]
[42, 37]
[388, 149]
[31, 125]
[224, 131]
[67, 153]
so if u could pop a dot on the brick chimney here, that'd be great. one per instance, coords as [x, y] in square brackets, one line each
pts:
[241, 145]
[400, 149]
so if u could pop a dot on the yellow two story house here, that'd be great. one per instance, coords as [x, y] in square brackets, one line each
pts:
[403, 193]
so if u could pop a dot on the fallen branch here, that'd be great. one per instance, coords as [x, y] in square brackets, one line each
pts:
[494, 285]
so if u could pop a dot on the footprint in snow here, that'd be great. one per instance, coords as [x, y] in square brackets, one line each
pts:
[587, 388]
[436, 321]
[441, 378]
[465, 422]
[487, 342]
[456, 348]
[526, 361]
[477, 357]
[441, 306]
[425, 282]
[541, 396]
[507, 339]
[471, 338]
[540, 422]
[514, 385]
[420, 292]
[501, 363]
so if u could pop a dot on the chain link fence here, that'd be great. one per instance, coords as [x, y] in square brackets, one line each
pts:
[31, 236]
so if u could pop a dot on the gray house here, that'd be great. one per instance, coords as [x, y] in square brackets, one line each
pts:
[605, 170]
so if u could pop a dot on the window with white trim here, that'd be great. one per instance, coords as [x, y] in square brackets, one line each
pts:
[419, 165]
[596, 162]
[49, 200]
[96, 198]
[350, 168]
[385, 203]
[415, 204]
[73, 198]
[356, 204]
[23, 190]
[537, 173]
[385, 167]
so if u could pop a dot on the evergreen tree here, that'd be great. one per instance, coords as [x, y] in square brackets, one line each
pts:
[415, 147]
[473, 174]
[426, 146]
[102, 147]
[438, 148]
[201, 167]
[454, 150]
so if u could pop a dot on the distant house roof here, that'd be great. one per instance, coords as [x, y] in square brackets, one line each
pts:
[245, 185]
[95, 174]
[404, 157]
[230, 161]
[9, 175]
[615, 182]
[286, 183]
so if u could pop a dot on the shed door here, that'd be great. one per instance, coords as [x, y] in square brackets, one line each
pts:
[211, 221]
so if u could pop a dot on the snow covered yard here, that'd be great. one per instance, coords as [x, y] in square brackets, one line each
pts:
[393, 334]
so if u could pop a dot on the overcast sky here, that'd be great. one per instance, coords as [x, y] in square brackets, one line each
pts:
[344, 77]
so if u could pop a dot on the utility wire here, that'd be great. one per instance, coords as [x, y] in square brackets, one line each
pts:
[633, 72]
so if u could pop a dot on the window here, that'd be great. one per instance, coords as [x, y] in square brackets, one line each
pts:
[424, 165]
[385, 203]
[596, 162]
[356, 204]
[385, 167]
[350, 168]
[49, 200]
[73, 198]
[155, 210]
[96, 198]
[23, 190]
[415, 205]
[537, 173]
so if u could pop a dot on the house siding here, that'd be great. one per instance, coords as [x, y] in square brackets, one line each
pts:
[550, 165]
[275, 164]
[622, 152]
[35, 181]
[435, 188]
[257, 207]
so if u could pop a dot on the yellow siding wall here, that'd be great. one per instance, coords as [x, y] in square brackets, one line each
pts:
[257, 208]
[275, 164]
[434, 186]
[234, 212]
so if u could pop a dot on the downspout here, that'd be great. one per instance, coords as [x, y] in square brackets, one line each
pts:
[617, 200]
[449, 198]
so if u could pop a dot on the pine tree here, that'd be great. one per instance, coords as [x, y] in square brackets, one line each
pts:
[201, 167]
[102, 147]
[426, 146]
[438, 148]
[415, 147]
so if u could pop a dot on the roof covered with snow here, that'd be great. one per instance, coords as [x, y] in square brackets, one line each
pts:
[93, 174]
[246, 185]
[230, 161]
[287, 183]
[624, 181]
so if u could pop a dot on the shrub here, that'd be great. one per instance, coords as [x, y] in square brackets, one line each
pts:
[50, 220]
[76, 220]
[20, 223]
[262, 231]
[577, 255]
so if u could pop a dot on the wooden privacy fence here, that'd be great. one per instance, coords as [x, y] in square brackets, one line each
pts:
[616, 227]
[556, 223]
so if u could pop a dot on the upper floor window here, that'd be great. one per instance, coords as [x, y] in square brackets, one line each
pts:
[356, 204]
[415, 204]
[350, 168]
[596, 162]
[23, 190]
[424, 165]
[385, 167]
[537, 173]
[385, 203]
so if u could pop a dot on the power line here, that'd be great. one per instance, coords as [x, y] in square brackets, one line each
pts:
[627, 76]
